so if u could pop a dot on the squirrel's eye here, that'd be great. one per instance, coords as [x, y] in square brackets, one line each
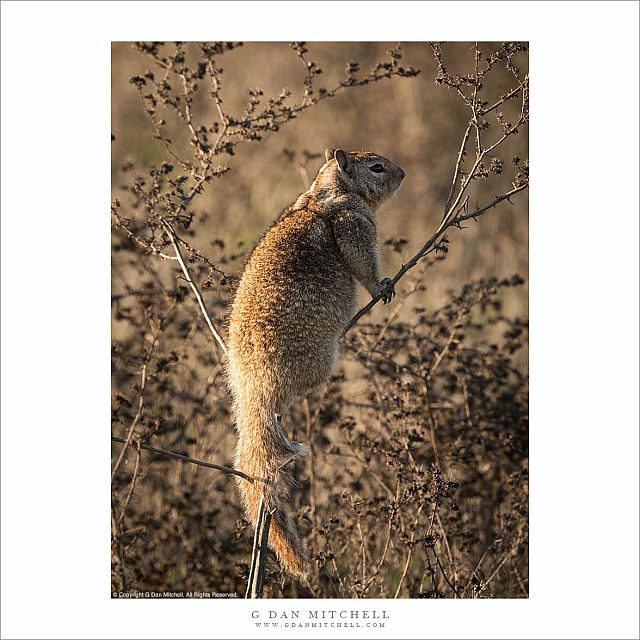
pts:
[377, 168]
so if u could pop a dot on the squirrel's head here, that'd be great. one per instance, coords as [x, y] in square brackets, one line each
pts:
[371, 176]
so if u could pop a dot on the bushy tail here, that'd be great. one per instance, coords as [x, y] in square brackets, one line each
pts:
[263, 452]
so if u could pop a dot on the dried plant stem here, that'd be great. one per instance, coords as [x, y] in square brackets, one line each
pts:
[194, 286]
[258, 557]
[405, 569]
[132, 486]
[311, 456]
[383, 557]
[432, 428]
[450, 340]
[386, 325]
[201, 463]
[410, 553]
[117, 553]
[147, 246]
[363, 549]
[520, 583]
[506, 556]
[473, 573]
[136, 419]
[456, 172]
[448, 549]
[335, 567]
[444, 575]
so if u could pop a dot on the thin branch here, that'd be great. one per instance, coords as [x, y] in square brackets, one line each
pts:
[286, 113]
[506, 557]
[410, 544]
[136, 419]
[473, 573]
[448, 549]
[432, 427]
[340, 580]
[383, 557]
[118, 223]
[311, 457]
[194, 286]
[450, 340]
[117, 552]
[456, 173]
[132, 486]
[444, 575]
[505, 97]
[474, 103]
[386, 545]
[201, 463]
[498, 200]
[259, 554]
[363, 548]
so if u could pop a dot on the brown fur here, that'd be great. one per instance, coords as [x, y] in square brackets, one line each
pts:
[295, 297]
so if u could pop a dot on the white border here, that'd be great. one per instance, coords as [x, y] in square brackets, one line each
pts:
[584, 311]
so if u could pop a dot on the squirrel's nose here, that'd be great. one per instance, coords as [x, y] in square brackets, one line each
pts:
[401, 174]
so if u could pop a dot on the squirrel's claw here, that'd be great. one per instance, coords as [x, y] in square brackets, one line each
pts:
[387, 290]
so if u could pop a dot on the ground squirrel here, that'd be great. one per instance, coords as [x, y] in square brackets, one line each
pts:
[295, 298]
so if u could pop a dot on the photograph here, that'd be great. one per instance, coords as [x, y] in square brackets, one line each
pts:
[320, 320]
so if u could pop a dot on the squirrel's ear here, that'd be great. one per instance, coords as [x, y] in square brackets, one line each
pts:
[328, 155]
[341, 158]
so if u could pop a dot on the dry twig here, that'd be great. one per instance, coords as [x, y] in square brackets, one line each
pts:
[201, 463]
[456, 203]
[255, 584]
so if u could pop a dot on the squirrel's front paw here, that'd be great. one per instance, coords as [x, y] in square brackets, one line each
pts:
[386, 290]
